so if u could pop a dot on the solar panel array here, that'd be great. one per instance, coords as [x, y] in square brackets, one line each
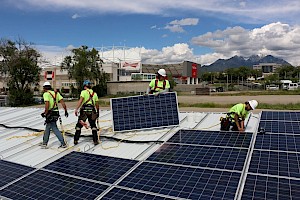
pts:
[274, 169]
[142, 112]
[192, 164]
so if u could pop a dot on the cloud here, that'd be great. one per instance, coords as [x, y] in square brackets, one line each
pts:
[176, 25]
[263, 11]
[75, 16]
[278, 39]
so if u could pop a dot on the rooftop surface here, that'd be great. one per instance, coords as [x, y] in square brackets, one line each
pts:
[193, 160]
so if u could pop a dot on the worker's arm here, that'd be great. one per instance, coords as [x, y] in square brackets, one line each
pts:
[97, 106]
[239, 126]
[78, 105]
[65, 107]
[46, 107]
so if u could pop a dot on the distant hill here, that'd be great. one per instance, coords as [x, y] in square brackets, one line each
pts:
[239, 61]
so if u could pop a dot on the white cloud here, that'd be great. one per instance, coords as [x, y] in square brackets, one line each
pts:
[263, 11]
[176, 25]
[75, 16]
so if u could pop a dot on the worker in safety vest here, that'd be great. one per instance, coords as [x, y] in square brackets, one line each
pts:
[160, 84]
[51, 114]
[89, 109]
[237, 115]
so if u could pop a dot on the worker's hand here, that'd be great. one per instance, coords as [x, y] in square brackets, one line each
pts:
[145, 94]
[76, 112]
[156, 94]
[241, 130]
[66, 114]
[43, 115]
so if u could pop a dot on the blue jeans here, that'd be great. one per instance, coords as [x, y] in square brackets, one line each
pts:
[53, 126]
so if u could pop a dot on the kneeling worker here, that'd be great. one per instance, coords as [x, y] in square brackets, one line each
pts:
[238, 113]
[160, 84]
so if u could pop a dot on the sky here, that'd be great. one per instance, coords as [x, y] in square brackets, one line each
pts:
[157, 31]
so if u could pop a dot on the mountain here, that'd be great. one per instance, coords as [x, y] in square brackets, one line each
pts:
[239, 61]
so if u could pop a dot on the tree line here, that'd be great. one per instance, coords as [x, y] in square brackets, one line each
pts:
[19, 68]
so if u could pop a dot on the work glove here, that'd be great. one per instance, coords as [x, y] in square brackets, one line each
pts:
[43, 115]
[156, 94]
[66, 114]
[145, 94]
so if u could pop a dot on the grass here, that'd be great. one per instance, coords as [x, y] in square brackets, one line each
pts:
[290, 106]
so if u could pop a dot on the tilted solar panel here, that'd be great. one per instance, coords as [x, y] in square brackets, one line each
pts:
[216, 138]
[275, 163]
[184, 182]
[10, 171]
[282, 142]
[46, 185]
[280, 127]
[265, 187]
[140, 112]
[91, 166]
[201, 156]
[276, 115]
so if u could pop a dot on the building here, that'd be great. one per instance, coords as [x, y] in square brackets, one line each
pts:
[267, 68]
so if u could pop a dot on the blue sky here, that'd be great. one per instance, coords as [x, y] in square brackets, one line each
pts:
[167, 31]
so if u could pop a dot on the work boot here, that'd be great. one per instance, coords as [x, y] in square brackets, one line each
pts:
[96, 143]
[75, 142]
[43, 146]
[63, 146]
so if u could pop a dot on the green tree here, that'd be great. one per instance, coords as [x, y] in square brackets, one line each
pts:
[19, 64]
[84, 64]
[171, 81]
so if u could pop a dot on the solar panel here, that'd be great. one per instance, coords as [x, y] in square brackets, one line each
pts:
[201, 156]
[265, 187]
[282, 142]
[10, 171]
[184, 182]
[275, 115]
[46, 185]
[280, 127]
[117, 193]
[140, 112]
[91, 166]
[275, 163]
[215, 138]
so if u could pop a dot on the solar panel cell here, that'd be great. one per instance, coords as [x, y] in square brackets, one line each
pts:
[91, 166]
[141, 112]
[280, 127]
[285, 116]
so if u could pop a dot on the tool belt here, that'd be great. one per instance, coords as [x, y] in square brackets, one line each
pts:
[88, 110]
[52, 116]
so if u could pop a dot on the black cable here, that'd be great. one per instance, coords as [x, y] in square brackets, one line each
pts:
[70, 134]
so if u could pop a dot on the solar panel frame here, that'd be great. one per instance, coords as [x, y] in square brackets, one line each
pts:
[215, 138]
[289, 127]
[12, 171]
[183, 182]
[144, 112]
[275, 163]
[46, 185]
[91, 166]
[266, 187]
[201, 156]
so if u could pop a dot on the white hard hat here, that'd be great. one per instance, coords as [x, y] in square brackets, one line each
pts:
[253, 104]
[162, 72]
[46, 84]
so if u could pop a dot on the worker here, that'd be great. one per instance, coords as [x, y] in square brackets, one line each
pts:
[160, 84]
[89, 109]
[51, 114]
[237, 115]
